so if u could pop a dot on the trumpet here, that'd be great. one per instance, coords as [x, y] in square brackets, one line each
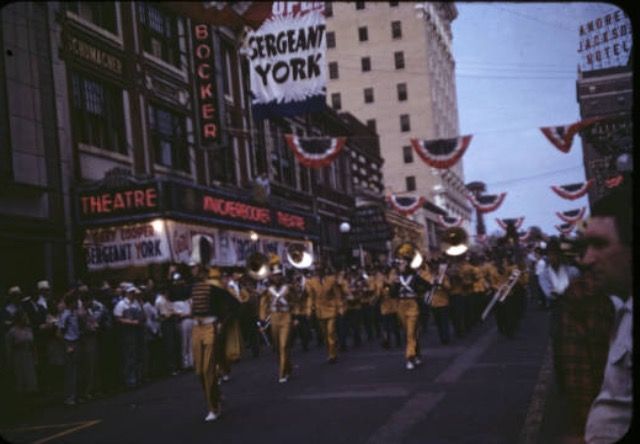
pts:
[442, 270]
[502, 292]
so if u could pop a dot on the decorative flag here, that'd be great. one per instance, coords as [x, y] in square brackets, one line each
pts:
[613, 182]
[232, 14]
[517, 223]
[287, 61]
[565, 228]
[406, 205]
[315, 152]
[562, 136]
[525, 236]
[572, 191]
[441, 153]
[572, 216]
[450, 221]
[487, 203]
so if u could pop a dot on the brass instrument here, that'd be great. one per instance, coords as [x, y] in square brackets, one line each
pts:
[409, 252]
[442, 270]
[299, 257]
[258, 266]
[455, 241]
[502, 292]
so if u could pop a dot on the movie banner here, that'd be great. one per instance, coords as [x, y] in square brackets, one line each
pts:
[287, 57]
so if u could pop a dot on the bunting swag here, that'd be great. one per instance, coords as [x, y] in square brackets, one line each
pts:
[487, 203]
[525, 236]
[573, 191]
[562, 136]
[565, 228]
[288, 67]
[450, 221]
[613, 182]
[441, 153]
[315, 152]
[406, 204]
[517, 223]
[572, 216]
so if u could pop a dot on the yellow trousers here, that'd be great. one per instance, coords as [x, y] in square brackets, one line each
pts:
[328, 327]
[280, 330]
[203, 342]
[408, 313]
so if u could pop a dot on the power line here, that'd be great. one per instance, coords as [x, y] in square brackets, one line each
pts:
[536, 176]
[528, 17]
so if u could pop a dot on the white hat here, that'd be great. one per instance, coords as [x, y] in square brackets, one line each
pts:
[44, 285]
[14, 290]
[132, 289]
[276, 269]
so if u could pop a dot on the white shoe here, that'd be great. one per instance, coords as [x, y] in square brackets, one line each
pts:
[417, 361]
[211, 417]
[283, 380]
[410, 365]
[225, 378]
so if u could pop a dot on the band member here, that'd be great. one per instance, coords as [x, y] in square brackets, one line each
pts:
[301, 310]
[353, 307]
[326, 293]
[408, 288]
[440, 307]
[275, 308]
[212, 305]
[341, 319]
[425, 273]
[231, 336]
[248, 314]
[456, 295]
[369, 304]
[388, 308]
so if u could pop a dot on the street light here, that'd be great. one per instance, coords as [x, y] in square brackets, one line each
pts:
[253, 236]
[345, 227]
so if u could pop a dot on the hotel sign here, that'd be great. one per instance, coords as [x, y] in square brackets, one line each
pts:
[605, 42]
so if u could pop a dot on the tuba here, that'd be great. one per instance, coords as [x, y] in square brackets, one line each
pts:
[258, 266]
[299, 257]
[409, 252]
[455, 241]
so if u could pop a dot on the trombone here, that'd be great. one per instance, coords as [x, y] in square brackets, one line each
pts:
[502, 292]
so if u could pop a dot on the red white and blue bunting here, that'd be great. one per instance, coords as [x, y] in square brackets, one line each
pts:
[504, 223]
[525, 236]
[613, 182]
[315, 152]
[406, 205]
[562, 136]
[487, 203]
[450, 221]
[572, 191]
[565, 229]
[572, 216]
[441, 153]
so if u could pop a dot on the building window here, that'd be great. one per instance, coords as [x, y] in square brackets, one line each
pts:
[396, 30]
[328, 9]
[399, 59]
[363, 34]
[371, 124]
[402, 92]
[336, 103]
[407, 154]
[333, 70]
[411, 183]
[331, 39]
[168, 138]
[102, 14]
[368, 95]
[366, 64]
[359, 5]
[404, 123]
[227, 76]
[97, 114]
[159, 33]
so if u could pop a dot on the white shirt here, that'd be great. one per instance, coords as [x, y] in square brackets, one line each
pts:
[182, 307]
[610, 415]
[540, 266]
[163, 305]
[557, 281]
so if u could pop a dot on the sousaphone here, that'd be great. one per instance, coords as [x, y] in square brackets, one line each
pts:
[455, 241]
[258, 266]
[299, 257]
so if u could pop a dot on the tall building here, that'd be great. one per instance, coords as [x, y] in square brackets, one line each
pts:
[391, 65]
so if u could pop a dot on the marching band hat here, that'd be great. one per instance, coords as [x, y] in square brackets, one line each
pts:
[214, 273]
[44, 285]
[132, 289]
[276, 269]
[15, 290]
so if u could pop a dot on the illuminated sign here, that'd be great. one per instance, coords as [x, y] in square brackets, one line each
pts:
[605, 42]
[115, 202]
[205, 84]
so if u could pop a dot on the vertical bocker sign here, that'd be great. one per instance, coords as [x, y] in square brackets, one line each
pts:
[205, 84]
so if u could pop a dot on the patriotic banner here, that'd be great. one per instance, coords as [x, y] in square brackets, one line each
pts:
[613, 182]
[525, 236]
[487, 203]
[504, 223]
[572, 191]
[441, 153]
[287, 61]
[565, 229]
[406, 205]
[315, 152]
[562, 136]
[572, 216]
[450, 221]
[232, 14]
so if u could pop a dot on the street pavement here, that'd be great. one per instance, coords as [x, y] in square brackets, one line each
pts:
[483, 388]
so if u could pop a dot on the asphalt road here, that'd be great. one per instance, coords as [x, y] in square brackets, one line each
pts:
[483, 388]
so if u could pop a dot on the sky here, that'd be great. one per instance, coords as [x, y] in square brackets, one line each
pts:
[516, 71]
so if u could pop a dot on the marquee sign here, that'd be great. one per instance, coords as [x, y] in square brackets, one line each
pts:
[205, 84]
[137, 199]
[605, 42]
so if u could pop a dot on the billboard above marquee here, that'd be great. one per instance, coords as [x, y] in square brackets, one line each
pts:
[605, 42]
